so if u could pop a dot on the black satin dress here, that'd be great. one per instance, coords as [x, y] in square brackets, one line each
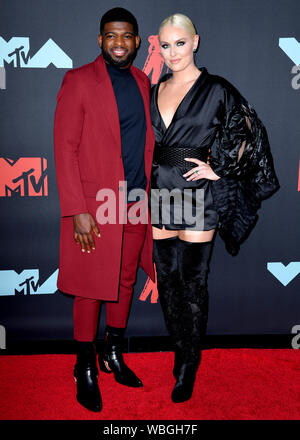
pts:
[195, 124]
[212, 117]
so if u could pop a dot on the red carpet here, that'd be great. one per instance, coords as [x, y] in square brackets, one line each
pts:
[245, 384]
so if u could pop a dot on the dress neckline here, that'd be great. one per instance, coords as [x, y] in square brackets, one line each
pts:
[165, 78]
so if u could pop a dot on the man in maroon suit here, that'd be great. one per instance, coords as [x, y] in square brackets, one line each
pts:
[103, 138]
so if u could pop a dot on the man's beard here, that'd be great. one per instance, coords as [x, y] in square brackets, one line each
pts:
[119, 63]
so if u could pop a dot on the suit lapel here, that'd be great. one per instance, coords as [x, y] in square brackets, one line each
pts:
[109, 106]
[144, 92]
[149, 144]
[107, 98]
[146, 98]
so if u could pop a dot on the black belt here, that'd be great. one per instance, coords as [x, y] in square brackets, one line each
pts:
[174, 156]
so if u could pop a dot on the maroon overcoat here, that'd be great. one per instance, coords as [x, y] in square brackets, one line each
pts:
[88, 157]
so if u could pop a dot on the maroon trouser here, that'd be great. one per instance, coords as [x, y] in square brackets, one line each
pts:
[86, 310]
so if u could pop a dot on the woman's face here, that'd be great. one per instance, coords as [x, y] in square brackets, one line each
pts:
[176, 47]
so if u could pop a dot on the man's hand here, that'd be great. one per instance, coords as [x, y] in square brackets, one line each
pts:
[84, 227]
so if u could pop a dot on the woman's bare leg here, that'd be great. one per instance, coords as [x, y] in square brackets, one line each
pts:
[185, 235]
[196, 236]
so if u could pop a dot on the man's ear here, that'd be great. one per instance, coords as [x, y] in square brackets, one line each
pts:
[100, 40]
[137, 41]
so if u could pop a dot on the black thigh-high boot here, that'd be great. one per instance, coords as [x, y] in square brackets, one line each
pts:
[165, 258]
[193, 266]
[86, 377]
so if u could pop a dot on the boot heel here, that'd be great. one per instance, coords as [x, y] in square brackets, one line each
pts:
[111, 359]
[103, 365]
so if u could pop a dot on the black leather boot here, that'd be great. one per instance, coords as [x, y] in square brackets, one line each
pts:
[177, 362]
[111, 360]
[185, 379]
[165, 258]
[193, 259]
[86, 377]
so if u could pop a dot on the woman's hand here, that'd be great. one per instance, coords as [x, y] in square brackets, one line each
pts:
[202, 171]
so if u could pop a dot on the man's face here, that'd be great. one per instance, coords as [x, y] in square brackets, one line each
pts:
[119, 44]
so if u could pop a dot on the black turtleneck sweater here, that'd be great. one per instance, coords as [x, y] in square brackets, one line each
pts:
[132, 125]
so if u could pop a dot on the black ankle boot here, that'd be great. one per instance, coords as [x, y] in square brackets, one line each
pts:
[86, 377]
[111, 360]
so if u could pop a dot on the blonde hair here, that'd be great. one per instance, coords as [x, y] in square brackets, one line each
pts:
[179, 20]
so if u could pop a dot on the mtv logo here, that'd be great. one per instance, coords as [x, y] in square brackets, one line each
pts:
[284, 274]
[26, 283]
[149, 290]
[16, 52]
[23, 177]
[291, 47]
[154, 62]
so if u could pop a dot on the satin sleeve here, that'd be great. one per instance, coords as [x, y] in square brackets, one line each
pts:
[246, 179]
[242, 148]
[234, 139]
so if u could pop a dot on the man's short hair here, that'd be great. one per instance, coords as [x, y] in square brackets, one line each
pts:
[119, 14]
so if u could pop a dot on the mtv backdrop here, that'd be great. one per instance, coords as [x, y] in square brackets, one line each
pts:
[255, 45]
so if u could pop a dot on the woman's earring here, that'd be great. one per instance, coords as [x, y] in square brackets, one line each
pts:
[194, 50]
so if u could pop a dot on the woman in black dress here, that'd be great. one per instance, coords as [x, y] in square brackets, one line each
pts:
[212, 168]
